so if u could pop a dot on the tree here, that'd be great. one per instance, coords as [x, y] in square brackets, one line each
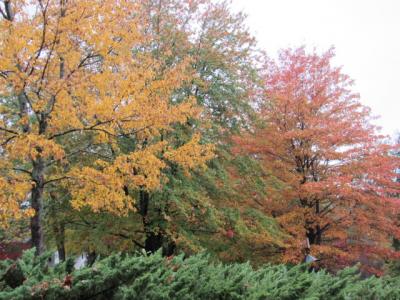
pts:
[74, 81]
[203, 208]
[337, 171]
[195, 210]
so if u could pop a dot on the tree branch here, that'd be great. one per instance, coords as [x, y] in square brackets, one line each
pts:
[93, 127]
[56, 179]
[7, 140]
[8, 130]
[8, 10]
[23, 170]
[3, 13]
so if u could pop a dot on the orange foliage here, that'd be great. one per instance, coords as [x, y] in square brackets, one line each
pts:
[338, 172]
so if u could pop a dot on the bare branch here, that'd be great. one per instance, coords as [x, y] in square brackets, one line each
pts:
[91, 128]
[8, 130]
[7, 140]
[56, 179]
[23, 170]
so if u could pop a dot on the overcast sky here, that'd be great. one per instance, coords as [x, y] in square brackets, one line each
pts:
[365, 33]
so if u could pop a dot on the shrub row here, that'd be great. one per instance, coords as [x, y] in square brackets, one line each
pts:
[197, 277]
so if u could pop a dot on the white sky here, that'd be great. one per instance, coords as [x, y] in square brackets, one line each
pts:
[365, 33]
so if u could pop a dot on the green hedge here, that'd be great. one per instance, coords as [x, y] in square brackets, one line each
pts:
[197, 277]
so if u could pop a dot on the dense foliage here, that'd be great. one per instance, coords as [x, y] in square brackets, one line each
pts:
[158, 125]
[338, 171]
[131, 142]
[197, 277]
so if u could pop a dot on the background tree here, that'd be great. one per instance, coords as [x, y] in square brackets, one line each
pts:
[198, 209]
[223, 55]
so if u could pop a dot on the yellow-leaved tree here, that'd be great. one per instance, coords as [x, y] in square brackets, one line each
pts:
[74, 79]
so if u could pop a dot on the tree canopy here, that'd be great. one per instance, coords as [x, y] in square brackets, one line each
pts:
[160, 124]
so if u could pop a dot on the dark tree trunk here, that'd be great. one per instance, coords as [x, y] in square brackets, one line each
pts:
[154, 241]
[36, 204]
[318, 231]
[60, 240]
[318, 238]
[8, 10]
[61, 251]
[314, 235]
[58, 226]
[91, 258]
[311, 235]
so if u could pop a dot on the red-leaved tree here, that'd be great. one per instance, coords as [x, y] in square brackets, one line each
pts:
[337, 171]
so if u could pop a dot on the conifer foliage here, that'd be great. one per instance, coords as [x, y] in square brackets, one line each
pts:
[198, 277]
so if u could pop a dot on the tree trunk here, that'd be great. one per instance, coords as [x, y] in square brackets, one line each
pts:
[36, 204]
[153, 240]
[314, 235]
[318, 231]
[311, 235]
[8, 10]
[59, 232]
[318, 238]
[91, 258]
[61, 251]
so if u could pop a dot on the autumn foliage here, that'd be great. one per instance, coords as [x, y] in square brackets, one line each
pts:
[71, 86]
[338, 173]
[129, 125]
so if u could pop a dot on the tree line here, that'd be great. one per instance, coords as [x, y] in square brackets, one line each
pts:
[160, 124]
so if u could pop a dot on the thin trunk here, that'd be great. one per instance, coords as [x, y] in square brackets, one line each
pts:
[318, 232]
[91, 258]
[23, 111]
[59, 232]
[61, 251]
[36, 204]
[318, 237]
